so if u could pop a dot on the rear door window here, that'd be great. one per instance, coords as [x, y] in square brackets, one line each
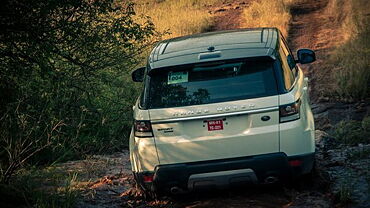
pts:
[211, 83]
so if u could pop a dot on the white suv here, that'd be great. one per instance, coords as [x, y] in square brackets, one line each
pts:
[220, 109]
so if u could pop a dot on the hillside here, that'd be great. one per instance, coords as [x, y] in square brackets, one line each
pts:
[87, 174]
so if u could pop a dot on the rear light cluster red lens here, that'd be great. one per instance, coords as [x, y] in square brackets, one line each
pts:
[143, 129]
[295, 163]
[290, 112]
[148, 178]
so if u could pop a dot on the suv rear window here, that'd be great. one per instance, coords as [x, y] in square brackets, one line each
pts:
[211, 83]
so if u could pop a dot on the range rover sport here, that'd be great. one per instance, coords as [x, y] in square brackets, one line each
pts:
[220, 109]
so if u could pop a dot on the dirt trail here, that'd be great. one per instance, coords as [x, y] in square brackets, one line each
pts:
[315, 26]
[106, 181]
[227, 14]
[312, 26]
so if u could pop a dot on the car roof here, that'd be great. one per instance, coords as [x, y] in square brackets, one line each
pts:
[214, 46]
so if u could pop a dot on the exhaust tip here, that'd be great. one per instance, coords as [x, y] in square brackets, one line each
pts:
[175, 190]
[271, 179]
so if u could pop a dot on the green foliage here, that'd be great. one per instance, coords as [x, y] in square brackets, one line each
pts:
[344, 195]
[359, 154]
[64, 197]
[353, 132]
[47, 187]
[64, 78]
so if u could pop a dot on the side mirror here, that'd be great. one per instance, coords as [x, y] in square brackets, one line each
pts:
[306, 56]
[138, 74]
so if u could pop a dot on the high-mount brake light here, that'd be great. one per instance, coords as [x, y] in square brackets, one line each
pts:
[290, 112]
[143, 129]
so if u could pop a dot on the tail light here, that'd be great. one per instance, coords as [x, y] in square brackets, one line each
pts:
[143, 129]
[290, 112]
[148, 178]
[295, 163]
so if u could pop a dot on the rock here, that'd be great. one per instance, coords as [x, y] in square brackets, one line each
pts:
[323, 99]
[319, 109]
[348, 169]
[324, 141]
[220, 10]
[310, 200]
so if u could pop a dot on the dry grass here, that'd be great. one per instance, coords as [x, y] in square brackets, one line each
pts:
[268, 13]
[352, 58]
[177, 17]
[341, 10]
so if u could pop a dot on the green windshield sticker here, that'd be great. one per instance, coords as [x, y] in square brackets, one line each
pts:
[177, 77]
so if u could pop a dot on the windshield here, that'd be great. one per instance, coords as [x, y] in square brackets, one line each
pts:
[211, 83]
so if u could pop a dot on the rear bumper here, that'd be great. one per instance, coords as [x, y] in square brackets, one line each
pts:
[228, 172]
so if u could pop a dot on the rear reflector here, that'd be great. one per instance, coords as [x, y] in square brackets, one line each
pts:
[295, 163]
[148, 179]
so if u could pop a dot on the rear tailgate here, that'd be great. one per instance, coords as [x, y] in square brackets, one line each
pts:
[216, 131]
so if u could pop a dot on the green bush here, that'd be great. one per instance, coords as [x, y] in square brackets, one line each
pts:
[353, 132]
[64, 78]
[345, 193]
[49, 188]
[359, 154]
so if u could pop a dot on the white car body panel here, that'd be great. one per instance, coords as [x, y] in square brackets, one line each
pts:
[297, 137]
[143, 153]
[243, 135]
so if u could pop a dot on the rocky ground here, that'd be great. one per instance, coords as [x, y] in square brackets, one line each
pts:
[347, 170]
[227, 14]
[110, 184]
[341, 180]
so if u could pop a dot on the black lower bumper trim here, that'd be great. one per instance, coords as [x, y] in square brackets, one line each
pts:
[267, 165]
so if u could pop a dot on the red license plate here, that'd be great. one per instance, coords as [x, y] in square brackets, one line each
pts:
[215, 125]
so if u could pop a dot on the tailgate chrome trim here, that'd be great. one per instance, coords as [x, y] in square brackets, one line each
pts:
[215, 115]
